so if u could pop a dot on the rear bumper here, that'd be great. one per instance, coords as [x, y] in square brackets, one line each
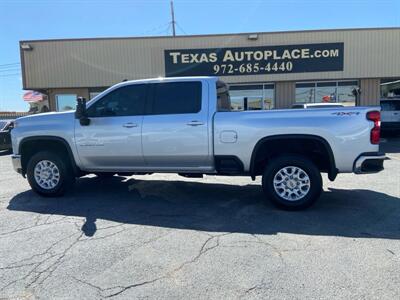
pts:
[16, 162]
[390, 126]
[368, 163]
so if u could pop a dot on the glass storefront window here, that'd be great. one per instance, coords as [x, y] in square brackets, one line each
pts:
[65, 102]
[252, 97]
[390, 88]
[305, 92]
[326, 92]
[345, 92]
[269, 94]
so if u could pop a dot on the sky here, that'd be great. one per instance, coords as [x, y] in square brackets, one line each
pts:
[52, 19]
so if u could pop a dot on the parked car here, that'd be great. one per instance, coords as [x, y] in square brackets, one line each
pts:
[185, 126]
[317, 105]
[390, 115]
[5, 134]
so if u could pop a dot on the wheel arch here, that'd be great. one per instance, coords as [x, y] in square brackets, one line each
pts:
[289, 139]
[48, 143]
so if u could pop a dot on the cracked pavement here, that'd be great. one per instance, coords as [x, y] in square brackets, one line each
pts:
[168, 237]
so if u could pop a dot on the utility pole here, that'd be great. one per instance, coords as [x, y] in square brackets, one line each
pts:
[173, 18]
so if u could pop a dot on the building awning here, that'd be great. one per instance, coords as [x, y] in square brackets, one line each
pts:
[33, 96]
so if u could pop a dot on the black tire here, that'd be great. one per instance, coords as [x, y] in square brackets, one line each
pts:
[315, 182]
[66, 175]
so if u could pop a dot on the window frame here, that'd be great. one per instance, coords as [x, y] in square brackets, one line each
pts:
[147, 88]
[151, 98]
[262, 86]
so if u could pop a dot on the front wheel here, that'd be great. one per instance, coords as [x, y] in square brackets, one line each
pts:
[292, 182]
[48, 174]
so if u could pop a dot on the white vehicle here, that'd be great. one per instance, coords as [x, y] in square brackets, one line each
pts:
[186, 126]
[390, 114]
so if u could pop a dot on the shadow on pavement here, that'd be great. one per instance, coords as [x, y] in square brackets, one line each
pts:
[217, 208]
[391, 145]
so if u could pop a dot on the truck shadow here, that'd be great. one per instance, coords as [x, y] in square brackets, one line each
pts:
[215, 207]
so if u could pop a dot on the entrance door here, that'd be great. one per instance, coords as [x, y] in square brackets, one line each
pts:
[112, 140]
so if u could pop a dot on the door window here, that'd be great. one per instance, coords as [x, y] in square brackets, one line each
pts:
[177, 98]
[125, 101]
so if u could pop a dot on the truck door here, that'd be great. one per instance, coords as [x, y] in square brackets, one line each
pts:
[112, 140]
[175, 133]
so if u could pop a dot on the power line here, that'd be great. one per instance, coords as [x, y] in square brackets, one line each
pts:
[177, 24]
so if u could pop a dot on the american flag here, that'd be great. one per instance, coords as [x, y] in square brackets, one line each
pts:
[33, 96]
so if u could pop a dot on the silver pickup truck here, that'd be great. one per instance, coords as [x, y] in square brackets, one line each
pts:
[186, 126]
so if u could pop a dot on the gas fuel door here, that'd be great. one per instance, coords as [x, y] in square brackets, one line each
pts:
[228, 136]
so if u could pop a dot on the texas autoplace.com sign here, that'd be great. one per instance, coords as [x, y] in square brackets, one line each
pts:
[254, 60]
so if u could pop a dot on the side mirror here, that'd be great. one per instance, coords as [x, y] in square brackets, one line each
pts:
[81, 113]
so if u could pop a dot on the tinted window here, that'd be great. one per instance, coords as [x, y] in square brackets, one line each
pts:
[2, 125]
[177, 98]
[125, 101]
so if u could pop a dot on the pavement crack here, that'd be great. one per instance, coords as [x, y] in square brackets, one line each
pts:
[203, 250]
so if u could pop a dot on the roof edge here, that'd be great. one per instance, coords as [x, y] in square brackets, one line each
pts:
[211, 35]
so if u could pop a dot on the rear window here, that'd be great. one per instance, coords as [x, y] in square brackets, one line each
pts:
[177, 98]
[2, 125]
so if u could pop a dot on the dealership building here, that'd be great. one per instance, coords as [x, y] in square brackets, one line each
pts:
[264, 70]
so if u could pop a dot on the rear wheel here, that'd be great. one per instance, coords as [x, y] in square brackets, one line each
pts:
[48, 174]
[292, 182]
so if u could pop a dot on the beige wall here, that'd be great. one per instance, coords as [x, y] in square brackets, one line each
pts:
[370, 91]
[285, 93]
[368, 53]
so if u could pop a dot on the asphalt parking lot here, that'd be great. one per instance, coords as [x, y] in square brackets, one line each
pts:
[169, 237]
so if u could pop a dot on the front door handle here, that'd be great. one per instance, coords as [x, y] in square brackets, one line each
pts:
[195, 123]
[129, 125]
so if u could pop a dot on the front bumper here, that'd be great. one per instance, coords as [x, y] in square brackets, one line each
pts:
[368, 163]
[16, 162]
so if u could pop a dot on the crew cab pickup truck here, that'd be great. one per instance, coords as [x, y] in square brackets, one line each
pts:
[186, 126]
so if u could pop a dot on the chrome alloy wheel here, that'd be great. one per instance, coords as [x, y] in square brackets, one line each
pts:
[47, 174]
[292, 183]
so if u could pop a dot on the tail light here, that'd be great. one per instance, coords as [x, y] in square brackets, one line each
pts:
[375, 116]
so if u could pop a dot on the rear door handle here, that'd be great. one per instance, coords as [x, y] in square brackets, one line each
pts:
[129, 125]
[195, 123]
